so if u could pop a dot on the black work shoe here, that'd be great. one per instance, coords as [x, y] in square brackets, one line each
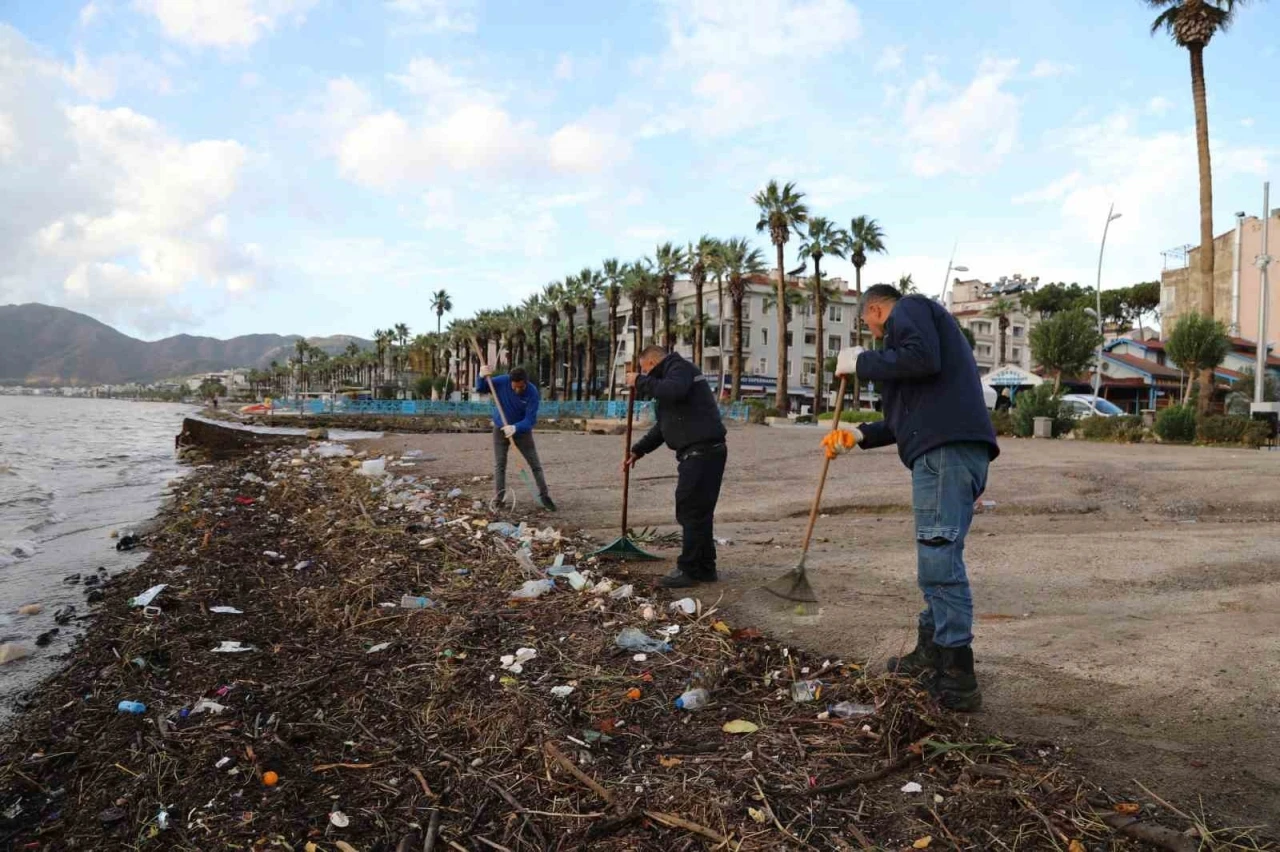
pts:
[678, 579]
[922, 661]
[548, 504]
[956, 686]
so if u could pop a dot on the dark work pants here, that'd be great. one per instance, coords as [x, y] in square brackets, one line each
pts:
[697, 491]
[524, 443]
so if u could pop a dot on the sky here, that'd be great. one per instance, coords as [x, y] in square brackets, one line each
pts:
[322, 166]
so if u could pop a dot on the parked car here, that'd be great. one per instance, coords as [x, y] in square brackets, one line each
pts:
[1082, 405]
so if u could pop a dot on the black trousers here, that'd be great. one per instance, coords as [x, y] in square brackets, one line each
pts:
[697, 491]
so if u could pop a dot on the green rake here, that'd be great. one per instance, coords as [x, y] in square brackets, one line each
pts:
[623, 548]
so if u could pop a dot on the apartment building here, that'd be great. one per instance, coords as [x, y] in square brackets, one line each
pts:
[759, 336]
[969, 302]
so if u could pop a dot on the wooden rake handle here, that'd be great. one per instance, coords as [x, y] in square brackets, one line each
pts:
[826, 464]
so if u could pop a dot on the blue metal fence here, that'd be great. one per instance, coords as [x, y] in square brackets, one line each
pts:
[601, 409]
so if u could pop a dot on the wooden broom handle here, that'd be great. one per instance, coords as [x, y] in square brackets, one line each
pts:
[826, 463]
[626, 452]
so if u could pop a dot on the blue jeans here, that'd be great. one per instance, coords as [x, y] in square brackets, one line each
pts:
[945, 482]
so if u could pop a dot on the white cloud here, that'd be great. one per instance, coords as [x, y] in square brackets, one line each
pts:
[441, 90]
[435, 16]
[890, 59]
[117, 215]
[832, 191]
[101, 79]
[224, 24]
[564, 67]
[1159, 105]
[651, 233]
[579, 148]
[1050, 68]
[89, 12]
[968, 131]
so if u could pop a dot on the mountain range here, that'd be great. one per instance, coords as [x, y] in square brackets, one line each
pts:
[46, 346]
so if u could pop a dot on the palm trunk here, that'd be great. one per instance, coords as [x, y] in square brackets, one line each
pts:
[581, 351]
[1004, 333]
[780, 396]
[857, 332]
[819, 343]
[551, 384]
[737, 349]
[720, 339]
[697, 323]
[537, 358]
[570, 345]
[666, 318]
[639, 312]
[613, 349]
[1206, 208]
[591, 354]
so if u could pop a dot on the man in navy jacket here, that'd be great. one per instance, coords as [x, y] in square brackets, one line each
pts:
[935, 413]
[519, 402]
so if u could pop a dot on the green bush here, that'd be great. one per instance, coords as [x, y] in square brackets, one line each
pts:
[858, 416]
[1040, 401]
[1229, 429]
[1002, 421]
[1127, 429]
[1256, 433]
[1177, 424]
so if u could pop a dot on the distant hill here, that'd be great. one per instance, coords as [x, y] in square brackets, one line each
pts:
[43, 345]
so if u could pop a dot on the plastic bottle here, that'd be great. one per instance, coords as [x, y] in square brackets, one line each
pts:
[693, 699]
[134, 707]
[412, 602]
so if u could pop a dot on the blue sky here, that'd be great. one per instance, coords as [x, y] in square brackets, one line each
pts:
[321, 166]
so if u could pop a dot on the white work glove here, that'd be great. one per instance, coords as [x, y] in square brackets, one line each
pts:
[508, 431]
[485, 371]
[847, 361]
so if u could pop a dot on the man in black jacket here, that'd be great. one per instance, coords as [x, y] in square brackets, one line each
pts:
[688, 421]
[935, 412]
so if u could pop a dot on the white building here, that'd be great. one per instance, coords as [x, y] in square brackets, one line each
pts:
[969, 301]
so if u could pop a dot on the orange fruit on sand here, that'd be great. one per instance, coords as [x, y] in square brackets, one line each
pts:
[270, 778]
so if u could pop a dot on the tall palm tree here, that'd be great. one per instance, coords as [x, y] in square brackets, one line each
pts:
[698, 256]
[865, 237]
[613, 273]
[781, 213]
[533, 310]
[823, 238]
[906, 284]
[402, 336]
[590, 284]
[999, 310]
[551, 299]
[569, 307]
[740, 261]
[669, 261]
[1192, 24]
[441, 304]
[716, 268]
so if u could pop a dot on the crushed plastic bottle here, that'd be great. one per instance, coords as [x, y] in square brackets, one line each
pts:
[693, 699]
[135, 707]
[533, 589]
[851, 710]
[374, 467]
[634, 639]
[622, 592]
[576, 580]
[686, 605]
[416, 602]
[504, 528]
[804, 691]
[454, 494]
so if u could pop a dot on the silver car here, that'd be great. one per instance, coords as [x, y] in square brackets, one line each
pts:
[1082, 405]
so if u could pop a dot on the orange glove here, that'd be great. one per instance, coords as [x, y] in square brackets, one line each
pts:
[838, 442]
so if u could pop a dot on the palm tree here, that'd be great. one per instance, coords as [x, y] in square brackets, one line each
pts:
[569, 307]
[590, 284]
[781, 213]
[551, 299]
[669, 261]
[698, 256]
[824, 238]
[1192, 24]
[613, 273]
[441, 304]
[716, 266]
[641, 290]
[865, 237]
[402, 335]
[906, 284]
[999, 310]
[740, 261]
[533, 311]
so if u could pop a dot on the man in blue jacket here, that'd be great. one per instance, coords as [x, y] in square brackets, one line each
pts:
[935, 413]
[687, 421]
[519, 402]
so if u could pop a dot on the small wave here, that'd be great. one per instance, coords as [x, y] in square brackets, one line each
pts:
[18, 548]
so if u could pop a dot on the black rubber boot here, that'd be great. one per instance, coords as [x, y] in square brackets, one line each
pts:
[678, 579]
[921, 662]
[956, 686]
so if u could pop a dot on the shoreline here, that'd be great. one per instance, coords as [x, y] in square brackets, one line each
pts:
[374, 744]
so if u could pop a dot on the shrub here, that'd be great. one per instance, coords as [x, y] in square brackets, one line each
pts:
[1040, 401]
[1002, 421]
[422, 387]
[1256, 433]
[1127, 429]
[1229, 429]
[858, 416]
[1177, 424]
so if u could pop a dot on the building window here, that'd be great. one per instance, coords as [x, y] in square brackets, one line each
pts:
[1017, 354]
[764, 337]
[833, 342]
[1017, 331]
[810, 338]
[790, 340]
[835, 313]
[984, 350]
[853, 339]
[764, 366]
[746, 338]
[807, 371]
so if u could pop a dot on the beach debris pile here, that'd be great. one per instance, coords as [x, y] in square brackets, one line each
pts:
[354, 656]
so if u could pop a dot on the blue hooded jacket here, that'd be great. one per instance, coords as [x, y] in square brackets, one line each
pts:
[929, 381]
[521, 408]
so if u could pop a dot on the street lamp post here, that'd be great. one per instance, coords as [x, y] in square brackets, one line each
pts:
[1263, 261]
[946, 279]
[1097, 367]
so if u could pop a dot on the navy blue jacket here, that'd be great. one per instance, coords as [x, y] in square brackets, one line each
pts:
[929, 383]
[521, 409]
[687, 411]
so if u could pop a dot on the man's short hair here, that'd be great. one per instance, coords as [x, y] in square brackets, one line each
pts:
[518, 374]
[880, 293]
[653, 351]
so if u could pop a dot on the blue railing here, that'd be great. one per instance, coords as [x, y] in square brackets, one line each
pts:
[598, 410]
